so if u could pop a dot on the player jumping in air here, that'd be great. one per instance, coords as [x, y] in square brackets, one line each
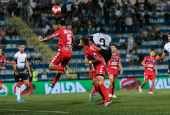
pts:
[113, 64]
[20, 59]
[99, 67]
[64, 54]
[2, 62]
[150, 64]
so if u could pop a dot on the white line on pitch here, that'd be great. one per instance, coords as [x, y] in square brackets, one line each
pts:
[34, 111]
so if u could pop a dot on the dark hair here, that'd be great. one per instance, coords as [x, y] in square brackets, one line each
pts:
[102, 30]
[85, 41]
[113, 45]
[21, 44]
[152, 50]
[62, 23]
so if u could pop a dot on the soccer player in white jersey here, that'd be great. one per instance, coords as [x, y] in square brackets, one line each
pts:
[102, 42]
[20, 59]
[166, 50]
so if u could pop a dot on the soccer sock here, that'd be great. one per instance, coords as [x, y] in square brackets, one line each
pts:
[141, 86]
[18, 91]
[97, 88]
[113, 91]
[23, 87]
[104, 92]
[150, 90]
[110, 90]
[59, 68]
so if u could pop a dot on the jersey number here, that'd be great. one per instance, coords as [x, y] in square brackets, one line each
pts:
[68, 39]
[102, 41]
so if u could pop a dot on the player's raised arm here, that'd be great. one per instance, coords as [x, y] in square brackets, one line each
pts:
[46, 39]
[120, 66]
[27, 65]
[163, 55]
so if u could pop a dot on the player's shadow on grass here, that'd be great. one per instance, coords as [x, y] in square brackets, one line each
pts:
[74, 103]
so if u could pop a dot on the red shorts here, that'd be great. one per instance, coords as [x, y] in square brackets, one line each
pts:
[0, 82]
[147, 77]
[62, 57]
[113, 72]
[99, 70]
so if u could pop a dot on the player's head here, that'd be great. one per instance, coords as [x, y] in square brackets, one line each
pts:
[152, 53]
[0, 52]
[84, 42]
[102, 31]
[62, 24]
[113, 48]
[21, 47]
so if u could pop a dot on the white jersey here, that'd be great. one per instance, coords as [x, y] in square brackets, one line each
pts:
[101, 40]
[20, 61]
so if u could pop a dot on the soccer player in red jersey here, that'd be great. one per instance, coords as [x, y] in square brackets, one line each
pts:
[2, 62]
[150, 64]
[113, 64]
[99, 67]
[64, 54]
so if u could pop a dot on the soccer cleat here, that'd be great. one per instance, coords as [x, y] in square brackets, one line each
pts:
[114, 96]
[107, 103]
[110, 95]
[51, 85]
[91, 98]
[66, 71]
[20, 100]
[150, 92]
[140, 90]
[101, 104]
[15, 94]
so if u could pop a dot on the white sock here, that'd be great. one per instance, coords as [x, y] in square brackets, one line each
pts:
[23, 87]
[18, 91]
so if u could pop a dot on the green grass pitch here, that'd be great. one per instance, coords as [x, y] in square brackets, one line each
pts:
[127, 103]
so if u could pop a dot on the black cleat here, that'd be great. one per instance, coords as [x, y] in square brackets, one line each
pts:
[51, 85]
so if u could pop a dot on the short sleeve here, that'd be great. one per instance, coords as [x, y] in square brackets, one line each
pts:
[15, 57]
[56, 33]
[4, 61]
[165, 50]
[93, 54]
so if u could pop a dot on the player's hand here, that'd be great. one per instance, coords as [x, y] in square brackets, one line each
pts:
[40, 38]
[30, 74]
[121, 72]
[86, 62]
[156, 73]
[16, 72]
[3, 68]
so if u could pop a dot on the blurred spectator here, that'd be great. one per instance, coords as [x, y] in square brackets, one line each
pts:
[141, 58]
[34, 75]
[9, 30]
[19, 7]
[159, 6]
[166, 18]
[37, 56]
[94, 24]
[129, 58]
[88, 9]
[33, 5]
[118, 12]
[129, 23]
[9, 8]
[151, 33]
[45, 29]
[141, 6]
[90, 28]
[124, 8]
[68, 6]
[129, 7]
[3, 37]
[134, 59]
[76, 4]
[165, 37]
[138, 42]
[123, 43]
[145, 35]
[168, 5]
[107, 16]
[44, 74]
[28, 56]
[122, 23]
[55, 26]
[154, 16]
[141, 21]
[150, 7]
[90, 73]
[147, 16]
[163, 5]
[69, 26]
[130, 43]
[135, 24]
[15, 8]
[156, 29]
[84, 24]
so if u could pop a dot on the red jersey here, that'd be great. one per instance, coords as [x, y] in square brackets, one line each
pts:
[65, 39]
[2, 61]
[113, 64]
[149, 69]
[91, 54]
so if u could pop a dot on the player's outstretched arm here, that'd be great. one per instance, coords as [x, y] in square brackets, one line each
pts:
[120, 66]
[12, 63]
[163, 56]
[46, 39]
[96, 60]
[156, 72]
[15, 69]
[28, 67]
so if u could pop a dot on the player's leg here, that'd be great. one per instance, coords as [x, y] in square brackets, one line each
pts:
[56, 78]
[111, 85]
[94, 90]
[146, 78]
[26, 83]
[0, 84]
[114, 85]
[152, 77]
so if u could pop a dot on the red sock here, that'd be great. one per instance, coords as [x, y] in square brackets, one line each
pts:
[59, 68]
[110, 90]
[150, 90]
[55, 80]
[141, 86]
[113, 91]
[104, 92]
[97, 88]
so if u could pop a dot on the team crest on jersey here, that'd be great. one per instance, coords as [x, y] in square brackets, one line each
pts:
[114, 58]
[151, 61]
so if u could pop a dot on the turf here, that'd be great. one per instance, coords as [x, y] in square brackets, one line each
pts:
[127, 103]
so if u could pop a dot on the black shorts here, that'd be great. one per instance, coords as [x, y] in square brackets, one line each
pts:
[107, 54]
[21, 77]
[3, 41]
